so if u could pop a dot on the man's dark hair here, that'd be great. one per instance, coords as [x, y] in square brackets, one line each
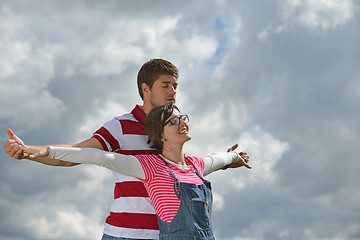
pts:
[151, 71]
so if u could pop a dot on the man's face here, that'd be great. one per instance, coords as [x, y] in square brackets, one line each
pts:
[163, 91]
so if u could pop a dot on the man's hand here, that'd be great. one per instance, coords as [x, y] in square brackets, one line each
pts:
[244, 158]
[14, 146]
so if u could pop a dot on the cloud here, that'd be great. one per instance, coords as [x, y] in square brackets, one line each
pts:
[26, 72]
[111, 52]
[264, 151]
[106, 113]
[48, 210]
[269, 30]
[73, 221]
[280, 79]
[319, 15]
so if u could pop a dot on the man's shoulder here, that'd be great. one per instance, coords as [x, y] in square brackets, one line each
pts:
[126, 116]
[125, 124]
[117, 119]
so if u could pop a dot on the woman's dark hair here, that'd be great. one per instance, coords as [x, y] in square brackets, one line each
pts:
[154, 125]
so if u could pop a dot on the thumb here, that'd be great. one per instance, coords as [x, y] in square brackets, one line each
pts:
[233, 147]
[14, 137]
[11, 133]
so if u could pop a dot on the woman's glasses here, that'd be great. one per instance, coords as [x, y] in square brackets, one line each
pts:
[176, 120]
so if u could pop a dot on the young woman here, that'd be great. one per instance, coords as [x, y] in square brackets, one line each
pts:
[182, 198]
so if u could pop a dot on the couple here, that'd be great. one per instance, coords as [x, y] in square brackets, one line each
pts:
[176, 175]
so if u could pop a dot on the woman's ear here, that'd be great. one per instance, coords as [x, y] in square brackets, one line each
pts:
[162, 139]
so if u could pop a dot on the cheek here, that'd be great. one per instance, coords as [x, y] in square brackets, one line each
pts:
[165, 133]
[159, 94]
[169, 132]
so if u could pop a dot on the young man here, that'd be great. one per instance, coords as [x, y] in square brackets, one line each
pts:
[131, 215]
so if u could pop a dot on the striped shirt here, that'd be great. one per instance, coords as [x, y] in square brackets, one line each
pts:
[131, 214]
[160, 183]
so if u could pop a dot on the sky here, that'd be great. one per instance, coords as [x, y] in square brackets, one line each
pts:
[281, 78]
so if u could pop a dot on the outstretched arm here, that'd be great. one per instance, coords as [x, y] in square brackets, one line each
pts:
[124, 164]
[218, 161]
[16, 148]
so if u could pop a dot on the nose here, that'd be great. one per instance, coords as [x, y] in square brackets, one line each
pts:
[182, 122]
[173, 90]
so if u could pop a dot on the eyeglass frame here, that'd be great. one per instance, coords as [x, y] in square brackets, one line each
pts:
[185, 118]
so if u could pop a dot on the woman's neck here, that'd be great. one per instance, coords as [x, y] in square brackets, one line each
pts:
[174, 154]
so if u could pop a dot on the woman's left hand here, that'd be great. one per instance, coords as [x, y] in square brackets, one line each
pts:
[243, 161]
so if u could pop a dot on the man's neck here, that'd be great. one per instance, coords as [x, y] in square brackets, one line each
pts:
[147, 107]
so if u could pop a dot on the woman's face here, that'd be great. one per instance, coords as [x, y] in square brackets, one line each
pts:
[176, 130]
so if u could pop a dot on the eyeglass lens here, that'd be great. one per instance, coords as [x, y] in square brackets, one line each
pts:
[176, 120]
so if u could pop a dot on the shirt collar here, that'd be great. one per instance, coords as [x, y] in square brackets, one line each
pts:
[182, 167]
[139, 114]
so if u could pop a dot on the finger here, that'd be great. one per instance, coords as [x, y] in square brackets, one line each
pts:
[247, 165]
[244, 156]
[16, 151]
[10, 133]
[26, 155]
[14, 137]
[233, 147]
[19, 154]
[8, 143]
[11, 149]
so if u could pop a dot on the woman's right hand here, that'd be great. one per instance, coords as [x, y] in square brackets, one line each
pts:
[32, 153]
[14, 146]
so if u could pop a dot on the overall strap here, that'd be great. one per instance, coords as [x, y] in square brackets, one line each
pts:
[176, 181]
[198, 174]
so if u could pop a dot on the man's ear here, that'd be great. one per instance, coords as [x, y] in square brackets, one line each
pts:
[145, 88]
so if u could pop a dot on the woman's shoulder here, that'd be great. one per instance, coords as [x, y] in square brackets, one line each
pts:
[196, 161]
[193, 158]
[150, 160]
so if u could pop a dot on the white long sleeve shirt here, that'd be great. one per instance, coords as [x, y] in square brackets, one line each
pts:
[151, 170]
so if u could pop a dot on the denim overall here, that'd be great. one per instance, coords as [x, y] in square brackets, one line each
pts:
[193, 218]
